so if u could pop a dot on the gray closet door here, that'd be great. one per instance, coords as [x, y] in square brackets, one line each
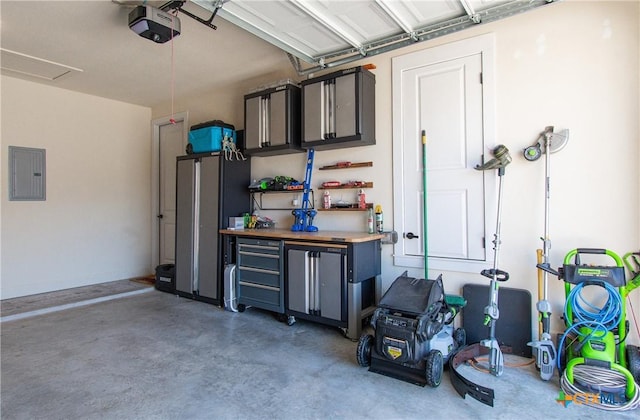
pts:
[208, 228]
[185, 197]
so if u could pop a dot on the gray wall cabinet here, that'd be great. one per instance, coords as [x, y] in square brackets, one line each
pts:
[338, 110]
[272, 121]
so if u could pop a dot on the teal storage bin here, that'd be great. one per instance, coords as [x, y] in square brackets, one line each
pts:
[208, 136]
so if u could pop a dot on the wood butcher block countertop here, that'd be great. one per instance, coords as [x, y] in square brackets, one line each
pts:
[323, 235]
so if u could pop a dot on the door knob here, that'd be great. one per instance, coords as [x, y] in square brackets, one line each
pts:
[410, 235]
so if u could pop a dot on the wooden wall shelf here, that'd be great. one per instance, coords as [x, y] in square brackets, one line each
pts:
[347, 187]
[369, 206]
[353, 165]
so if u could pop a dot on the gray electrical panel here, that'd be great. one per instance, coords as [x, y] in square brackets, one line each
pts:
[27, 176]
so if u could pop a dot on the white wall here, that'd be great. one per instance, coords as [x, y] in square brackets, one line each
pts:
[572, 64]
[94, 226]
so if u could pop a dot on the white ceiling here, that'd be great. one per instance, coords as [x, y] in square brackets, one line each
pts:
[94, 36]
[102, 56]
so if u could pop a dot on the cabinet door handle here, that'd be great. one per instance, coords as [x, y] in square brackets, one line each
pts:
[259, 286]
[259, 254]
[270, 248]
[258, 270]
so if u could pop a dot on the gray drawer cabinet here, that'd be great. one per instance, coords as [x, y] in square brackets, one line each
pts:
[328, 277]
[259, 274]
[272, 121]
[338, 110]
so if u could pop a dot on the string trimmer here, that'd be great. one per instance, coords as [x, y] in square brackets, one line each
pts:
[545, 352]
[489, 346]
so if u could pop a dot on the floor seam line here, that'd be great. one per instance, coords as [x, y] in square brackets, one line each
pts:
[66, 306]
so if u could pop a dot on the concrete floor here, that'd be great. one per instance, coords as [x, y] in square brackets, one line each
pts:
[153, 355]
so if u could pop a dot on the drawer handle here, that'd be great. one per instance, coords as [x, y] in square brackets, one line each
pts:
[260, 286]
[259, 270]
[258, 254]
[271, 248]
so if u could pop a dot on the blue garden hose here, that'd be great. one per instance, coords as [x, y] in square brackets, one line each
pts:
[598, 320]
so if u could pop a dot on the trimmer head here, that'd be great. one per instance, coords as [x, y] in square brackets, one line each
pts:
[547, 139]
[500, 160]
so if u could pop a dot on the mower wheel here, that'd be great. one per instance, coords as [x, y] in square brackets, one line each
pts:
[434, 366]
[241, 307]
[460, 337]
[363, 353]
[633, 362]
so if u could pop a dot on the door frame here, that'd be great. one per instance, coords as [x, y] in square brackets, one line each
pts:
[155, 176]
[485, 46]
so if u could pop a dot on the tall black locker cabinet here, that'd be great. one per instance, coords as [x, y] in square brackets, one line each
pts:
[209, 189]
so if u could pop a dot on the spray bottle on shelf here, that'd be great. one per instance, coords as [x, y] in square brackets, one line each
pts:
[370, 221]
[379, 218]
[362, 204]
[326, 200]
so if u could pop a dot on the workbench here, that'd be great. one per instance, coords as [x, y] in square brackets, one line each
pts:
[328, 277]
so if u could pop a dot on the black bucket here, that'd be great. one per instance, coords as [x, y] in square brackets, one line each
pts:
[166, 278]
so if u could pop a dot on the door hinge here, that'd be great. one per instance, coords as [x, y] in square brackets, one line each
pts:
[481, 82]
[484, 242]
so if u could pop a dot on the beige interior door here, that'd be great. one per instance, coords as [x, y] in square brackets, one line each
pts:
[449, 98]
[442, 92]
[171, 144]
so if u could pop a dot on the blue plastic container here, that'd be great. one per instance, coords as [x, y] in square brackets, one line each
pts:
[208, 136]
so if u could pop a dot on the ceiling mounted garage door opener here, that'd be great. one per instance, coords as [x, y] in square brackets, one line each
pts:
[490, 345]
[544, 348]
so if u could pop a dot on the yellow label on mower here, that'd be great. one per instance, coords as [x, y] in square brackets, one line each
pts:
[394, 352]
